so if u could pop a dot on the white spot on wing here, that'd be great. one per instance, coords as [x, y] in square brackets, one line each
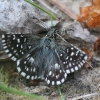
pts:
[70, 64]
[14, 51]
[24, 39]
[48, 81]
[27, 69]
[23, 74]
[31, 69]
[57, 66]
[19, 69]
[12, 48]
[29, 47]
[53, 75]
[3, 40]
[67, 50]
[62, 80]
[32, 77]
[24, 62]
[58, 82]
[67, 58]
[17, 45]
[67, 71]
[83, 61]
[72, 70]
[4, 44]
[64, 62]
[57, 76]
[70, 59]
[65, 75]
[7, 51]
[13, 58]
[85, 57]
[53, 82]
[77, 52]
[13, 37]
[9, 54]
[5, 47]
[31, 60]
[60, 71]
[81, 64]
[21, 46]
[3, 36]
[18, 62]
[72, 53]
[18, 40]
[60, 54]
[35, 76]
[50, 73]
[76, 68]
[27, 77]
[28, 55]
[22, 52]
[34, 69]
[72, 48]
[73, 63]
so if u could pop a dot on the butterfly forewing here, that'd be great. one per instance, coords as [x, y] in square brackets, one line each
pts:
[72, 58]
[16, 45]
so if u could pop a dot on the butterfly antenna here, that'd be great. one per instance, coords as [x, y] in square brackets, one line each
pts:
[61, 37]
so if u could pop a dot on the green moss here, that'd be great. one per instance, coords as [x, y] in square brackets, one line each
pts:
[6, 92]
[4, 76]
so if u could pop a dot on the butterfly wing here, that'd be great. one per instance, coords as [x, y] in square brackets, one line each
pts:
[42, 62]
[67, 59]
[72, 57]
[28, 65]
[16, 45]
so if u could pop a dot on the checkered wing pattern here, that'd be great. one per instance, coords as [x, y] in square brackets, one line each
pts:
[16, 45]
[48, 60]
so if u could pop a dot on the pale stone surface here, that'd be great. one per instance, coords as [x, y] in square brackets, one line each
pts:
[15, 13]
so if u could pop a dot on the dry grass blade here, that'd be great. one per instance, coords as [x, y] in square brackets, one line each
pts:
[88, 95]
[62, 7]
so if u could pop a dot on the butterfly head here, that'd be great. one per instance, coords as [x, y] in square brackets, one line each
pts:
[52, 33]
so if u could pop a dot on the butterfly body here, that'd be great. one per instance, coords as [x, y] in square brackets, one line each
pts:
[48, 60]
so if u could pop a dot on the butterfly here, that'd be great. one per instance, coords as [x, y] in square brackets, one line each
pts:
[48, 59]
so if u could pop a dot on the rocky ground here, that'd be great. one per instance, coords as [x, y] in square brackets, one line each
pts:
[81, 85]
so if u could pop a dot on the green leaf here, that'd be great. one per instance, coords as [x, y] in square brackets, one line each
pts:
[14, 91]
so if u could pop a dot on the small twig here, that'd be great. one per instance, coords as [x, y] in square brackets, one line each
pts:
[46, 6]
[84, 96]
[66, 10]
[89, 65]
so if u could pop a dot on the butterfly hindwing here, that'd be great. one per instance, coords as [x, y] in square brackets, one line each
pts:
[42, 62]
